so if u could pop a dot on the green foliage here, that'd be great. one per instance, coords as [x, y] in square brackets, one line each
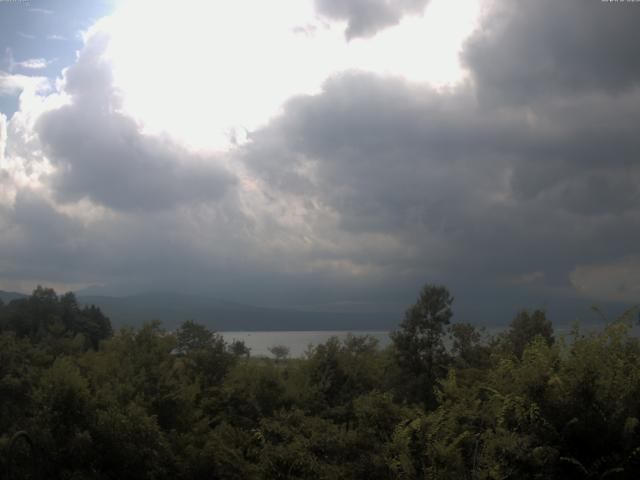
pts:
[524, 328]
[419, 346]
[470, 352]
[148, 403]
[204, 354]
[57, 321]
[251, 392]
[337, 372]
[131, 443]
[280, 352]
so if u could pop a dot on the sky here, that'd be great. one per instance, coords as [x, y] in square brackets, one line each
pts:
[337, 153]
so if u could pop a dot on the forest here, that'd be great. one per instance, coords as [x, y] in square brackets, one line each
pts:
[445, 400]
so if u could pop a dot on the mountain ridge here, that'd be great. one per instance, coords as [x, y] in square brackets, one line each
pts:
[222, 315]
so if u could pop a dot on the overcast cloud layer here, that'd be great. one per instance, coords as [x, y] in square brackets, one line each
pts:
[525, 178]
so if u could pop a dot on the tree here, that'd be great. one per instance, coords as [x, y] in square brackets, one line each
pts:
[419, 347]
[57, 320]
[467, 346]
[194, 336]
[280, 352]
[239, 349]
[204, 352]
[339, 371]
[524, 328]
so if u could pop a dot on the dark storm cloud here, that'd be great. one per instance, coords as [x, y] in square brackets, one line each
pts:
[385, 143]
[44, 244]
[366, 17]
[381, 147]
[475, 191]
[583, 153]
[572, 67]
[159, 253]
[524, 51]
[41, 241]
[101, 154]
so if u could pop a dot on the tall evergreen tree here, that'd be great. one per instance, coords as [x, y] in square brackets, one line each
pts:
[419, 346]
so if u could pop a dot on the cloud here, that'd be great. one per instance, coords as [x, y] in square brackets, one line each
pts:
[527, 176]
[375, 146]
[12, 84]
[29, 64]
[524, 52]
[34, 63]
[8, 58]
[526, 278]
[618, 280]
[471, 191]
[366, 17]
[3, 136]
[43, 11]
[103, 155]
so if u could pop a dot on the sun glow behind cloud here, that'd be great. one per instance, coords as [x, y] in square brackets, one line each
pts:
[207, 73]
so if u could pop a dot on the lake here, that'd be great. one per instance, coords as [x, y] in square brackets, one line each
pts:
[297, 342]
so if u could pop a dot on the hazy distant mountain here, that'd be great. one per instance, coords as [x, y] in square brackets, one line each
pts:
[6, 297]
[172, 309]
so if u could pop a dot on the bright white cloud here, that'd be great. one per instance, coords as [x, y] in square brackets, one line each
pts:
[33, 63]
[208, 71]
[3, 135]
[12, 84]
[44, 11]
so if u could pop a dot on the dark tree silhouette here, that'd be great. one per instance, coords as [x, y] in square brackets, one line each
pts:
[419, 347]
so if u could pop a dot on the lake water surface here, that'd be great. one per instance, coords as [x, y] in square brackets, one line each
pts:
[297, 342]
